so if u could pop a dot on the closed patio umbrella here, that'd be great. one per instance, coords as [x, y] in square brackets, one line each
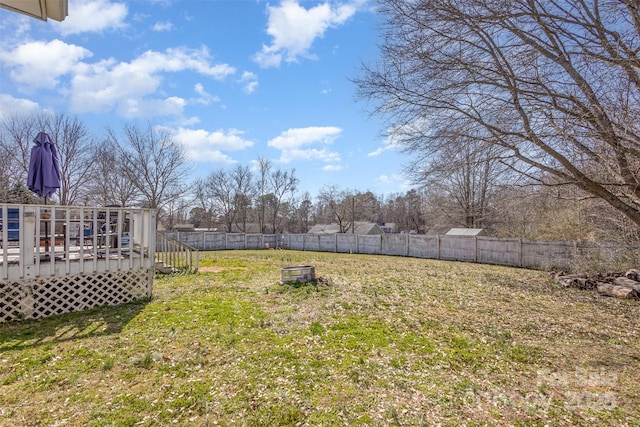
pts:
[44, 172]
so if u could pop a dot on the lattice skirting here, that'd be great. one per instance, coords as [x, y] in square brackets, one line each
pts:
[36, 299]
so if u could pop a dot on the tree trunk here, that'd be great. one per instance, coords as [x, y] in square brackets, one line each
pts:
[616, 291]
[633, 274]
[626, 283]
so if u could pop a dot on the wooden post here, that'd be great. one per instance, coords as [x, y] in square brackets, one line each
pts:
[27, 242]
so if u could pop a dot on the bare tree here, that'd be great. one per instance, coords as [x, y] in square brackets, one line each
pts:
[244, 191]
[283, 185]
[366, 207]
[17, 134]
[221, 191]
[554, 84]
[74, 145]
[153, 162]
[229, 195]
[339, 204]
[107, 185]
[405, 210]
[465, 175]
[263, 167]
[206, 210]
[302, 217]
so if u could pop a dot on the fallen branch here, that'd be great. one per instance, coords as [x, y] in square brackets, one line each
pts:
[618, 285]
[623, 292]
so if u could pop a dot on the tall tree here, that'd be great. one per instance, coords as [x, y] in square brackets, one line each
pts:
[207, 209]
[107, 185]
[153, 162]
[405, 210]
[244, 191]
[303, 213]
[16, 140]
[222, 192]
[74, 145]
[339, 205]
[283, 185]
[556, 85]
[366, 207]
[465, 175]
[263, 170]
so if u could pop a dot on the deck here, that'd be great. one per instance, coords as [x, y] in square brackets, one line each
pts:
[56, 259]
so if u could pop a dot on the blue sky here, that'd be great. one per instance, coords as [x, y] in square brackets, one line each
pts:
[232, 80]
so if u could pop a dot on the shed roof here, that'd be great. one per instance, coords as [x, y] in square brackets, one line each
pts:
[466, 232]
[361, 228]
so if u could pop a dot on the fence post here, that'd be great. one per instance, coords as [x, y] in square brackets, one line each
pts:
[521, 252]
[407, 244]
[27, 240]
[475, 255]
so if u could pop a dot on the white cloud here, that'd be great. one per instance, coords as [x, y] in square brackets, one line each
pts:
[250, 81]
[101, 86]
[396, 180]
[162, 26]
[93, 16]
[202, 145]
[298, 137]
[10, 106]
[332, 168]
[40, 64]
[205, 97]
[392, 142]
[294, 29]
[147, 108]
[378, 151]
[250, 87]
[293, 144]
[16, 29]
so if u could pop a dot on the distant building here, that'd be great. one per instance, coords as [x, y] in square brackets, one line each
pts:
[388, 227]
[466, 232]
[438, 230]
[183, 227]
[369, 228]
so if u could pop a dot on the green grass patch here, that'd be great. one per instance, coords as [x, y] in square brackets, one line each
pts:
[379, 341]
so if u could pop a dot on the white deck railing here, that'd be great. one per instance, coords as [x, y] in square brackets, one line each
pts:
[58, 259]
[174, 256]
[46, 240]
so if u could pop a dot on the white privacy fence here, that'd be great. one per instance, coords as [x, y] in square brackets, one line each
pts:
[485, 250]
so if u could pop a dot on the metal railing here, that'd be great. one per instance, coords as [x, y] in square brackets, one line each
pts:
[173, 256]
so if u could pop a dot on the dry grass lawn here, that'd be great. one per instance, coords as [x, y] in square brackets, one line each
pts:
[381, 341]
